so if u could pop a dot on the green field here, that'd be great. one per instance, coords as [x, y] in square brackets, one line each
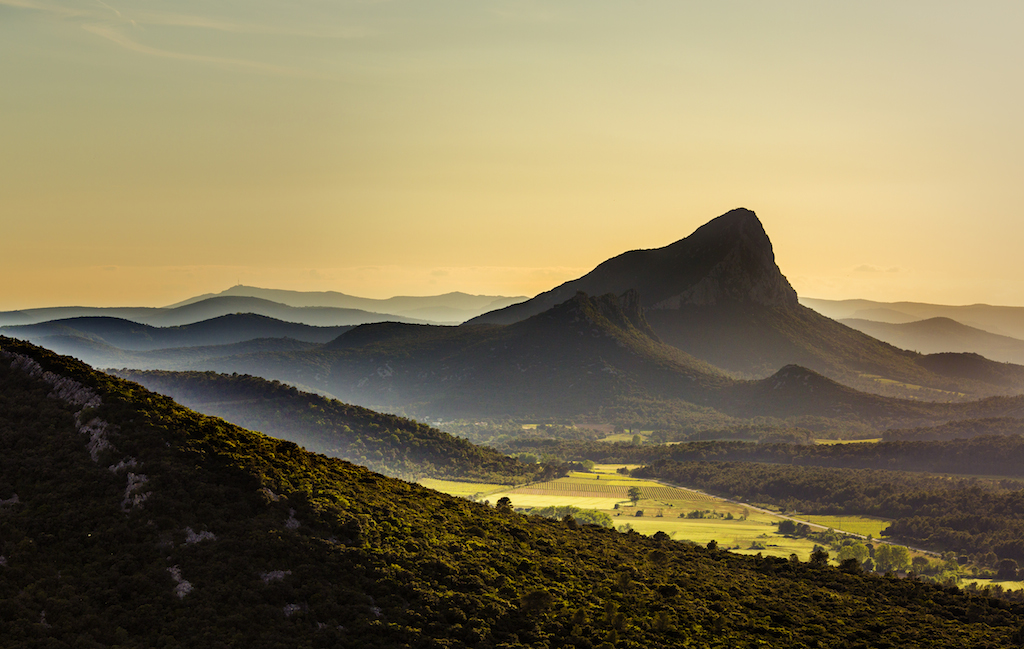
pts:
[863, 525]
[829, 442]
[661, 506]
[461, 489]
[982, 583]
[606, 490]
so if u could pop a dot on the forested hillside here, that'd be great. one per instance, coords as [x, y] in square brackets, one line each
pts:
[129, 520]
[391, 445]
[963, 515]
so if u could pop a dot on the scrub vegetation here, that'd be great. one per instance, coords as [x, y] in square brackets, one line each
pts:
[129, 520]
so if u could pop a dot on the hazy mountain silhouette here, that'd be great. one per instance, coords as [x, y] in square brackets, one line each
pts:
[719, 296]
[936, 335]
[318, 309]
[220, 330]
[1002, 320]
[448, 308]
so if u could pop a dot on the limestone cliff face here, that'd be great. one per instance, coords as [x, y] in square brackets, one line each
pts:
[728, 260]
[745, 273]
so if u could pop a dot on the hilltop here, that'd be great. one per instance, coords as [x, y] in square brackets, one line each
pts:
[129, 520]
[448, 308]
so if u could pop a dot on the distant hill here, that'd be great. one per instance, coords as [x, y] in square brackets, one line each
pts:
[448, 308]
[391, 445]
[585, 354]
[941, 334]
[719, 296]
[128, 520]
[1002, 320]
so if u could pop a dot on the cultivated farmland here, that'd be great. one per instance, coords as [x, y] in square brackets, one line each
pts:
[683, 514]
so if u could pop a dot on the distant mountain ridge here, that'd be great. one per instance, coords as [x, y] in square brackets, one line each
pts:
[942, 334]
[452, 307]
[1001, 320]
[316, 309]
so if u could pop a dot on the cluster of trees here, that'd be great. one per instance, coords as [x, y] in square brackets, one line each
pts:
[496, 432]
[580, 516]
[986, 455]
[957, 430]
[304, 550]
[963, 515]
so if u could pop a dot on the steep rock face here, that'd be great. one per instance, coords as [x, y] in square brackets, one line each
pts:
[728, 260]
[734, 260]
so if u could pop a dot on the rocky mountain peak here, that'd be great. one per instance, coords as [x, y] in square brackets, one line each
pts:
[734, 262]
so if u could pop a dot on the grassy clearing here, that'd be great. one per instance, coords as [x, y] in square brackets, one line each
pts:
[910, 386]
[605, 469]
[863, 525]
[461, 489]
[664, 509]
[626, 437]
[982, 583]
[829, 442]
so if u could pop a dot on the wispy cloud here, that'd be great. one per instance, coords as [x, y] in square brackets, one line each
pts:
[215, 24]
[112, 34]
[59, 10]
[106, 21]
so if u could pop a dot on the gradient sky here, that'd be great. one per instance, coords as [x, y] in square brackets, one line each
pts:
[153, 150]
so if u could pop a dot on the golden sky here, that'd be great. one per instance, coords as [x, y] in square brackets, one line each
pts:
[153, 150]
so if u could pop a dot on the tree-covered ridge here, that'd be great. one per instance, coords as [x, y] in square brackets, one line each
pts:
[987, 455]
[388, 444]
[958, 429]
[963, 515]
[245, 540]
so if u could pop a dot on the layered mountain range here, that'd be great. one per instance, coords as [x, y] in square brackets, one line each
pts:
[321, 309]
